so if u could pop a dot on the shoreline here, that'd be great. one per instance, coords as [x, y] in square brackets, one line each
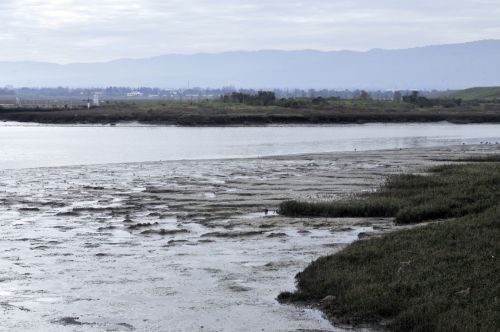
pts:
[133, 124]
[463, 148]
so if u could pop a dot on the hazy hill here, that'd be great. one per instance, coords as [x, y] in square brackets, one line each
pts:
[453, 66]
[483, 93]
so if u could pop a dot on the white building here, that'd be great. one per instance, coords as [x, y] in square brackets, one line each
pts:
[96, 99]
[135, 94]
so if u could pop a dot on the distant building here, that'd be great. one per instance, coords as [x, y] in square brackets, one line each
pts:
[7, 105]
[96, 99]
[135, 94]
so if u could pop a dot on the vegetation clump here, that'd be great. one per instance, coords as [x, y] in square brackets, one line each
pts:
[439, 277]
[421, 101]
[262, 98]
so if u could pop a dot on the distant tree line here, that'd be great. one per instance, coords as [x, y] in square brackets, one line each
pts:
[117, 92]
[292, 98]
[268, 98]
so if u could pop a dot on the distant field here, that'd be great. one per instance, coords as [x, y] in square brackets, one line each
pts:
[480, 93]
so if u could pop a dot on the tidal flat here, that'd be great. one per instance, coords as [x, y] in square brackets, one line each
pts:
[180, 245]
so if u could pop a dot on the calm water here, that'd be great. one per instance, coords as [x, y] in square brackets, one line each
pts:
[24, 146]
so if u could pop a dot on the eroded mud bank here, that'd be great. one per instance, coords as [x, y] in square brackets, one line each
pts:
[177, 246]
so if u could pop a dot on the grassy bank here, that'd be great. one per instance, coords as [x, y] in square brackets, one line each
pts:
[448, 191]
[439, 277]
[217, 113]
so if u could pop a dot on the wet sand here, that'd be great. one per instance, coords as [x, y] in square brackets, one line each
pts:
[179, 246]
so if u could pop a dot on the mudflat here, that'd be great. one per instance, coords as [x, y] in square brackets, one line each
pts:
[181, 245]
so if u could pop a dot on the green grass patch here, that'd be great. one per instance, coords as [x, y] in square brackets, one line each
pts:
[448, 191]
[478, 93]
[439, 277]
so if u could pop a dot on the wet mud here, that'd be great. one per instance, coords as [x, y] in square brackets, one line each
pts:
[181, 245]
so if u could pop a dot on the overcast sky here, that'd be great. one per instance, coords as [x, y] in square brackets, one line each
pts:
[95, 30]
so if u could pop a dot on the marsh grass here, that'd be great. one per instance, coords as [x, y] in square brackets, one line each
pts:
[476, 159]
[439, 277]
[447, 191]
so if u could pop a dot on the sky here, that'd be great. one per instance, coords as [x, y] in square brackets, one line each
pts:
[63, 31]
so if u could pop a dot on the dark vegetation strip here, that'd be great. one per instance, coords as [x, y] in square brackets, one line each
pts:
[221, 114]
[439, 277]
[476, 159]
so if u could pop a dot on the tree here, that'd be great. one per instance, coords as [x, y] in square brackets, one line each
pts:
[364, 95]
[418, 100]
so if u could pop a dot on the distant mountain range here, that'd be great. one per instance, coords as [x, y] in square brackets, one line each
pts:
[454, 66]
